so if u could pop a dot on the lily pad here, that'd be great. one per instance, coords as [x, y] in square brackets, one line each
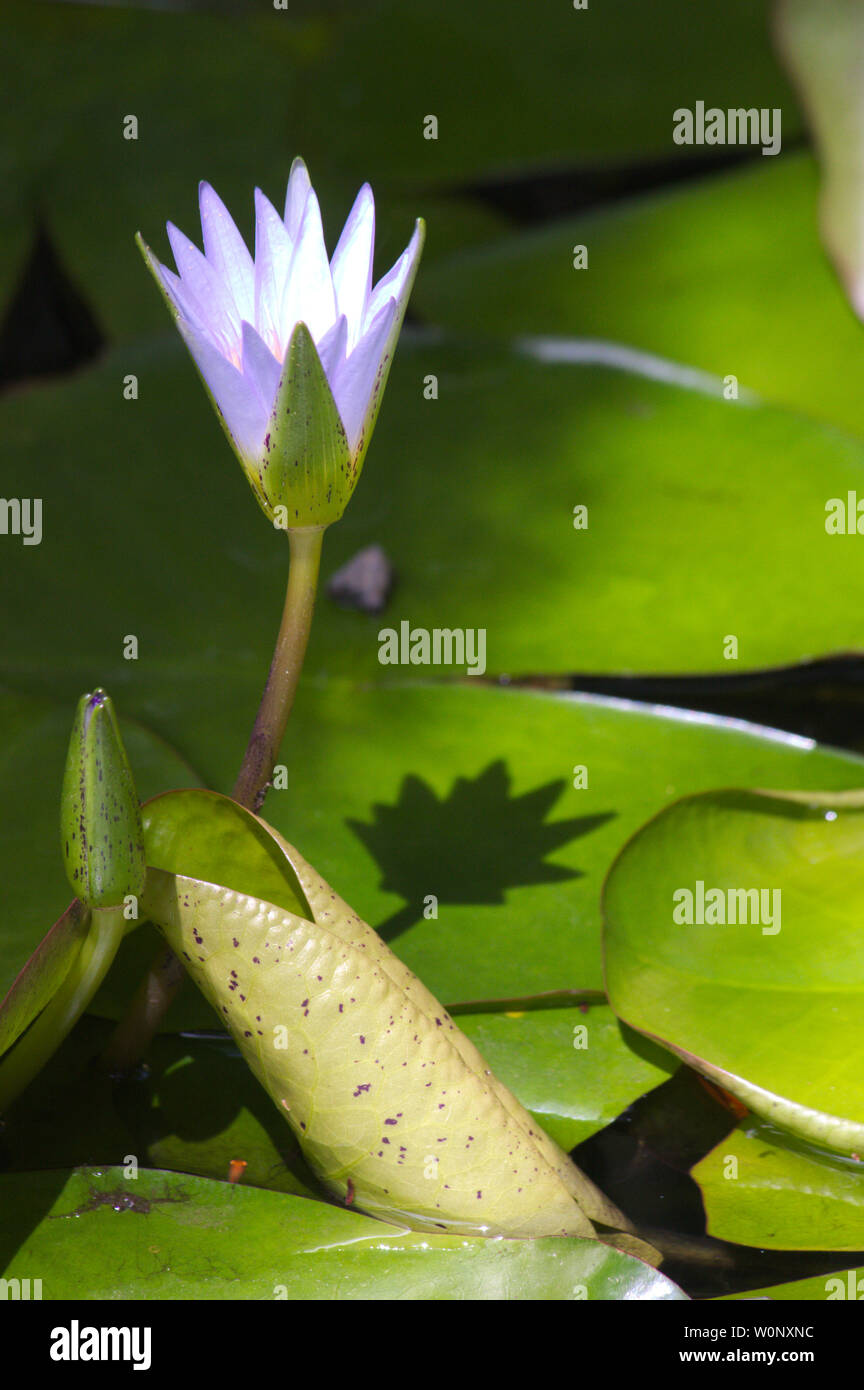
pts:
[93, 1234]
[574, 1071]
[520, 914]
[760, 1191]
[517, 918]
[843, 1285]
[675, 569]
[726, 292]
[733, 935]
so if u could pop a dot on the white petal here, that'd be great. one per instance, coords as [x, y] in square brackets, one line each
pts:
[206, 288]
[358, 382]
[298, 191]
[236, 396]
[260, 367]
[272, 266]
[227, 252]
[399, 279]
[351, 266]
[309, 292]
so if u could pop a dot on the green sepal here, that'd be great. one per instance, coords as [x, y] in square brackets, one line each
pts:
[306, 465]
[100, 818]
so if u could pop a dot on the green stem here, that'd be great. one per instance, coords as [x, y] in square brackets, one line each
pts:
[269, 728]
[136, 1030]
[45, 1034]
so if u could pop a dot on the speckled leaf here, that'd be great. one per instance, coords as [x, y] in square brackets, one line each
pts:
[171, 1236]
[394, 1108]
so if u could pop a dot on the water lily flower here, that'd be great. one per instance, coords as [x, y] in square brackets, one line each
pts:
[293, 349]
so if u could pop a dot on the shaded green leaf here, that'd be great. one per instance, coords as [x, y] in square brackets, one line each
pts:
[167, 1236]
[42, 974]
[574, 1071]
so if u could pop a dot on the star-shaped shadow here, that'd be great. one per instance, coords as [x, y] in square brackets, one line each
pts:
[470, 847]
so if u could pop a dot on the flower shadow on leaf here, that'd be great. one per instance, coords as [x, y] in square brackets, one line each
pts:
[472, 846]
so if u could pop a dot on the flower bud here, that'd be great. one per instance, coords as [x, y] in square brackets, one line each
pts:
[100, 818]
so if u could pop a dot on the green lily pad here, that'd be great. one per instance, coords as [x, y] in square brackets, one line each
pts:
[728, 292]
[768, 1006]
[759, 1191]
[843, 1285]
[574, 1071]
[170, 1236]
[510, 437]
[387, 821]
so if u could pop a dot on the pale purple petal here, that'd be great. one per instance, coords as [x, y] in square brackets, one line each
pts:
[227, 252]
[181, 297]
[333, 347]
[260, 367]
[396, 284]
[207, 289]
[272, 266]
[309, 294]
[351, 266]
[357, 382]
[236, 396]
[298, 191]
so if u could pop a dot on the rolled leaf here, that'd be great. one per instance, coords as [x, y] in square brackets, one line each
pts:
[396, 1111]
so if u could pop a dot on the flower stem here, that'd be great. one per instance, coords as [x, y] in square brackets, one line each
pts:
[136, 1030]
[262, 750]
[57, 1019]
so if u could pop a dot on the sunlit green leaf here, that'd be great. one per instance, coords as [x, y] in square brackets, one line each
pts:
[733, 935]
